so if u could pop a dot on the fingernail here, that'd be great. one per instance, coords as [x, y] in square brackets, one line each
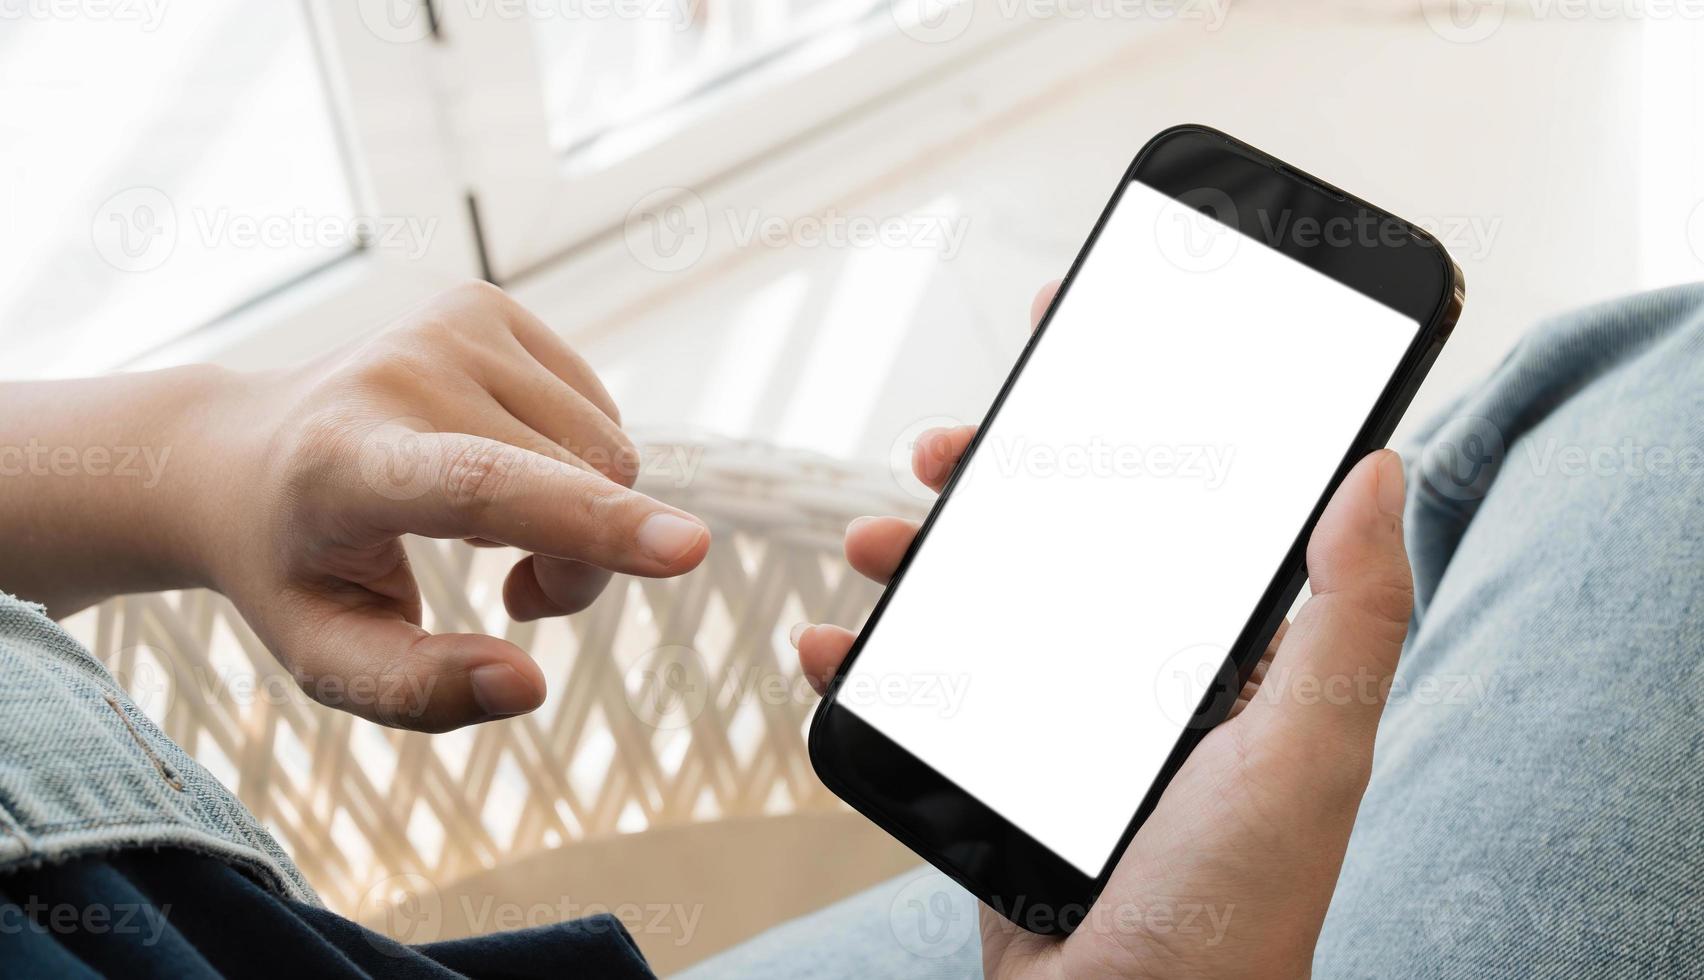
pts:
[666, 537]
[499, 691]
[1390, 484]
[858, 522]
[797, 633]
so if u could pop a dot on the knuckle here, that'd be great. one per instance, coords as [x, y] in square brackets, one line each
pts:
[630, 460]
[412, 711]
[1375, 612]
[478, 292]
[1388, 597]
[395, 369]
[623, 464]
[603, 507]
[451, 316]
[572, 586]
[607, 449]
[478, 474]
[491, 306]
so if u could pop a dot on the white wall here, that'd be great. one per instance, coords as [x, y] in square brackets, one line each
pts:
[1525, 146]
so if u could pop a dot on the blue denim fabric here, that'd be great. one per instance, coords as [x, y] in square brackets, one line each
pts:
[1537, 801]
[918, 926]
[84, 771]
[1548, 819]
[174, 915]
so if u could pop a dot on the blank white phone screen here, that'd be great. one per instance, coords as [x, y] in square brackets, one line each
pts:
[1126, 509]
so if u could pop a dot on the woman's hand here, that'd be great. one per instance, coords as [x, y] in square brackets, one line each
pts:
[1253, 828]
[289, 490]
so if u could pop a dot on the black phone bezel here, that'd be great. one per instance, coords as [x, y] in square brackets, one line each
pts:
[1002, 865]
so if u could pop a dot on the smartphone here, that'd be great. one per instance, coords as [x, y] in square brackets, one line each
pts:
[1122, 538]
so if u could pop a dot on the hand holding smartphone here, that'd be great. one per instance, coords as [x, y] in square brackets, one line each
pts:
[1124, 534]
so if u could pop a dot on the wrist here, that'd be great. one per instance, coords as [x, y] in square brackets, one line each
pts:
[207, 473]
[103, 483]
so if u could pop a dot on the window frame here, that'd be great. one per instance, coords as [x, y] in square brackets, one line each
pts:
[534, 212]
[399, 155]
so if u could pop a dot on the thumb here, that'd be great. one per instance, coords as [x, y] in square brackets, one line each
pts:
[370, 661]
[1333, 670]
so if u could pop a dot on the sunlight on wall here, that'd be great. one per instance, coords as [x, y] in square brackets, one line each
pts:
[202, 169]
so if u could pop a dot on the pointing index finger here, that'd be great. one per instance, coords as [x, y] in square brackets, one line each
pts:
[468, 487]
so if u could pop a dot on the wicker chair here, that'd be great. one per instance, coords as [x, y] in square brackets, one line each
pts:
[668, 757]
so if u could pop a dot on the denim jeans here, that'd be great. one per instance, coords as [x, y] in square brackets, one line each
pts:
[84, 771]
[1537, 800]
